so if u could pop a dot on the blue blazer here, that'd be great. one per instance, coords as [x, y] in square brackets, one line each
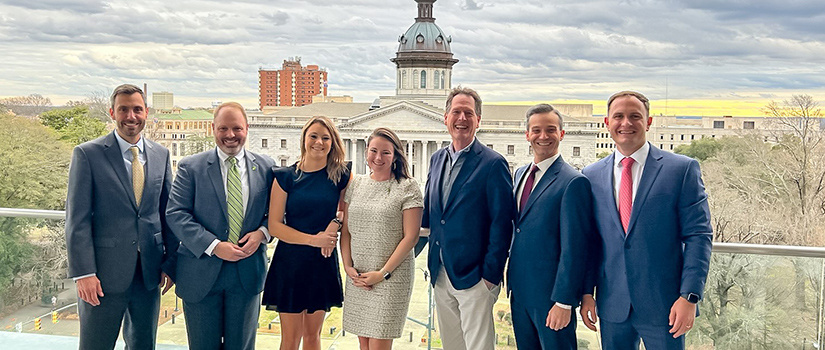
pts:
[666, 252]
[197, 215]
[551, 238]
[472, 231]
[105, 226]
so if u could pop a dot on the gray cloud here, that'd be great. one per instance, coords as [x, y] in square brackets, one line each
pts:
[514, 50]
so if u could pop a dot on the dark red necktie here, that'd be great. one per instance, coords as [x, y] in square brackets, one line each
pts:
[626, 192]
[528, 187]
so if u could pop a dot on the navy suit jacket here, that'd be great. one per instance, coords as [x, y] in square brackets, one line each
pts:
[666, 252]
[472, 231]
[551, 238]
[104, 224]
[197, 215]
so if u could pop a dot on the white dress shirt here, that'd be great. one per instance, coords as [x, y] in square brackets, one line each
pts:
[241, 164]
[639, 157]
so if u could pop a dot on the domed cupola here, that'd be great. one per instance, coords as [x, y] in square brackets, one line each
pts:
[424, 60]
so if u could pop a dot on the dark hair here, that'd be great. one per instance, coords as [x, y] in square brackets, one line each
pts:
[464, 91]
[635, 94]
[127, 89]
[400, 167]
[544, 108]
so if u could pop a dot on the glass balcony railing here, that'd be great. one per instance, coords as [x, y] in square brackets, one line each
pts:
[757, 297]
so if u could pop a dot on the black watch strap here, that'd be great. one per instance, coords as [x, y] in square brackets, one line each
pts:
[691, 297]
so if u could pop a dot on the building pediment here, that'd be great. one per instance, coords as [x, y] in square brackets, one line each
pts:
[399, 116]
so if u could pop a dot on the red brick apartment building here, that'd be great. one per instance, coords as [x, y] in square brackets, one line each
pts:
[292, 85]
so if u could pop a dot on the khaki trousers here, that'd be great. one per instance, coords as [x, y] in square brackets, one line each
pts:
[465, 317]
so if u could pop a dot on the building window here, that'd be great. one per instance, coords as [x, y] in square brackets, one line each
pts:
[436, 79]
[283, 143]
[671, 137]
[718, 124]
[404, 79]
[174, 163]
[490, 145]
[415, 78]
[511, 149]
[283, 162]
[174, 149]
[530, 150]
[423, 79]
[692, 137]
[747, 125]
[264, 143]
[682, 136]
[442, 79]
[671, 146]
[662, 137]
[577, 152]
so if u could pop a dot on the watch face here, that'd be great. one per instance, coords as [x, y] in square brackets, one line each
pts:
[693, 298]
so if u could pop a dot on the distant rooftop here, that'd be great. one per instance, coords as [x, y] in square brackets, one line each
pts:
[185, 114]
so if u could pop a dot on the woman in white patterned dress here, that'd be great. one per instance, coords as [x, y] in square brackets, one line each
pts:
[382, 220]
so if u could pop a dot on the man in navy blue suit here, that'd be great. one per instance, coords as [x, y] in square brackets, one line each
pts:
[553, 224]
[468, 203]
[654, 226]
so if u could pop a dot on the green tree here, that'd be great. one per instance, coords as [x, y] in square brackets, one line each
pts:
[197, 143]
[74, 124]
[700, 149]
[34, 166]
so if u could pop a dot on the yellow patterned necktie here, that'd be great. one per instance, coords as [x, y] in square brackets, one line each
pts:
[137, 175]
[234, 200]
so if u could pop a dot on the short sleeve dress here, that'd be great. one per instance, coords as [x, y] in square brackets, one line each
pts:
[300, 278]
[376, 227]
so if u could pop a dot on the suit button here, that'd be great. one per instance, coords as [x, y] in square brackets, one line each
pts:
[518, 230]
[443, 222]
[138, 216]
[134, 242]
[436, 243]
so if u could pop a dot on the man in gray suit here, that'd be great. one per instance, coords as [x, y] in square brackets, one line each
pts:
[119, 247]
[218, 209]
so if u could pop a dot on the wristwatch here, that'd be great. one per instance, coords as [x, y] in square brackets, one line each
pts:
[340, 224]
[387, 275]
[691, 297]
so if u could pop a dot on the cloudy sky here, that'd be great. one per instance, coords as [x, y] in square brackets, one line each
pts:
[701, 54]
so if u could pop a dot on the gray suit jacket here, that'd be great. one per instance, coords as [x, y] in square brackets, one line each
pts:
[197, 215]
[104, 225]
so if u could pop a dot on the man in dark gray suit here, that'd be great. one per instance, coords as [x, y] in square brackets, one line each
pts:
[119, 248]
[218, 209]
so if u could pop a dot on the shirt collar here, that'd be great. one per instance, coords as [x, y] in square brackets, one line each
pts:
[545, 164]
[223, 156]
[640, 156]
[125, 145]
[463, 150]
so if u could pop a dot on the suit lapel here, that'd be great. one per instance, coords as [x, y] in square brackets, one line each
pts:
[115, 158]
[606, 177]
[438, 166]
[256, 181]
[154, 166]
[470, 161]
[651, 170]
[213, 170]
[546, 180]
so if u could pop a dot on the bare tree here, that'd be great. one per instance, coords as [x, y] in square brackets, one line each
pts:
[28, 106]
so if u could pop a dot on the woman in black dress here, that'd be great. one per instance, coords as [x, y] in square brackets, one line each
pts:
[303, 282]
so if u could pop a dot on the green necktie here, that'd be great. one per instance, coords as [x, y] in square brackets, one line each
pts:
[234, 201]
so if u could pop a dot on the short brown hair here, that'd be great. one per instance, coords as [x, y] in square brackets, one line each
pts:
[464, 91]
[128, 90]
[234, 105]
[637, 95]
[544, 108]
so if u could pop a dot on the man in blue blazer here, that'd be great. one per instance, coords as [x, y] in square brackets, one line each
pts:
[468, 205]
[553, 227]
[654, 223]
[119, 246]
[218, 209]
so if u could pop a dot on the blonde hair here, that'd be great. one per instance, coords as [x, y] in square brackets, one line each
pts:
[336, 165]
